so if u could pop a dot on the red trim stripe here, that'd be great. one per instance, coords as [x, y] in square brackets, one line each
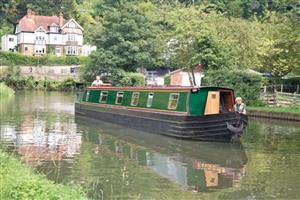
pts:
[137, 109]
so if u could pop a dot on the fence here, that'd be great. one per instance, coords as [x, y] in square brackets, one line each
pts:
[280, 98]
[282, 88]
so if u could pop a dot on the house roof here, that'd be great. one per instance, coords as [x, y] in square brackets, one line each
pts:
[197, 68]
[31, 23]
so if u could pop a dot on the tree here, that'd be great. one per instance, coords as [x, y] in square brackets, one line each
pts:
[127, 39]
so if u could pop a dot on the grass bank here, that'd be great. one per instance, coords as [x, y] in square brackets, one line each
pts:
[18, 181]
[5, 91]
[288, 110]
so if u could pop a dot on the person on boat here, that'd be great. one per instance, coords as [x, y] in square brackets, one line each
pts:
[97, 82]
[239, 106]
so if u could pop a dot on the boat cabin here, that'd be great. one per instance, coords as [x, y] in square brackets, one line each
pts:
[190, 101]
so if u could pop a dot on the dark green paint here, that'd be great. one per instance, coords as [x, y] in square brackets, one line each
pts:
[196, 103]
[160, 100]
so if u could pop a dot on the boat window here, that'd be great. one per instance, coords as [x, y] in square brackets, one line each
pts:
[173, 101]
[87, 95]
[119, 97]
[103, 97]
[150, 100]
[135, 98]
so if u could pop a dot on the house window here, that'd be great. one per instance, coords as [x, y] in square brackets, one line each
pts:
[26, 48]
[150, 100]
[103, 97]
[173, 101]
[119, 97]
[71, 50]
[87, 96]
[57, 50]
[135, 98]
[54, 29]
[11, 39]
[71, 37]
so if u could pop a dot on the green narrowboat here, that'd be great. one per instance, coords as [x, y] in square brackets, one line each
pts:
[198, 113]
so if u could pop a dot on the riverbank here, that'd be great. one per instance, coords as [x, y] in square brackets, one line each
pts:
[5, 91]
[283, 113]
[21, 182]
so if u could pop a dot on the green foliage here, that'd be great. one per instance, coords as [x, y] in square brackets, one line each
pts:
[167, 80]
[126, 40]
[9, 58]
[20, 182]
[246, 84]
[132, 79]
[5, 91]
[15, 80]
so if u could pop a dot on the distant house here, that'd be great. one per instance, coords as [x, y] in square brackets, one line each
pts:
[182, 77]
[88, 49]
[9, 43]
[156, 77]
[37, 34]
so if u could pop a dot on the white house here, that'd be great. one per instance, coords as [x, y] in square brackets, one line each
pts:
[87, 49]
[37, 34]
[9, 42]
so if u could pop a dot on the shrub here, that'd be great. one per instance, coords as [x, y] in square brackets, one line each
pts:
[132, 79]
[5, 91]
[10, 58]
[167, 80]
[246, 84]
[20, 182]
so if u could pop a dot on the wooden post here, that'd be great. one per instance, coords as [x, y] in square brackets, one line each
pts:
[265, 89]
[281, 88]
[297, 91]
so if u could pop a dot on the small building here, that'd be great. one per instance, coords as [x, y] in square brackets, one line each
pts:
[181, 77]
[87, 49]
[156, 77]
[9, 42]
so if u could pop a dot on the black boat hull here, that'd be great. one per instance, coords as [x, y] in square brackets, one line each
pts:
[221, 127]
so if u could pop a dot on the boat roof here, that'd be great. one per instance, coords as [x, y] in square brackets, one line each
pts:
[154, 88]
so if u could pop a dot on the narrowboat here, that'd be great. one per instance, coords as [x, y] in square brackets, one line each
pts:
[197, 113]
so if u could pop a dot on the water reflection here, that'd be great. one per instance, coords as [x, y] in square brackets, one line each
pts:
[199, 166]
[114, 162]
[36, 141]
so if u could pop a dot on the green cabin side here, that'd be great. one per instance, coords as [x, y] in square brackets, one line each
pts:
[161, 99]
[193, 102]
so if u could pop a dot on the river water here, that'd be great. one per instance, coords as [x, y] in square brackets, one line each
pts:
[115, 162]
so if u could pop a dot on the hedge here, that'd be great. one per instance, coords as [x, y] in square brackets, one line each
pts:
[246, 84]
[16, 59]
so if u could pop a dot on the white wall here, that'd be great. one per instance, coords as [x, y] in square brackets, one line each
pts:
[26, 38]
[88, 49]
[186, 79]
[6, 44]
[56, 39]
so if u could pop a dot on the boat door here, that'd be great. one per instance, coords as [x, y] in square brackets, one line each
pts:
[212, 103]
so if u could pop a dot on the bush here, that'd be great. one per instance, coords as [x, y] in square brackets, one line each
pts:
[5, 91]
[167, 80]
[20, 182]
[9, 58]
[15, 80]
[132, 79]
[246, 84]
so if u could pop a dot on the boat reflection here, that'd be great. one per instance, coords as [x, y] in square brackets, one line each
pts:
[199, 166]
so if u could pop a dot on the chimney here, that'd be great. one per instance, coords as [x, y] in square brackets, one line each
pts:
[29, 13]
[61, 19]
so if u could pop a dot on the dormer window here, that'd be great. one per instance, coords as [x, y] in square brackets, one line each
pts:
[54, 29]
